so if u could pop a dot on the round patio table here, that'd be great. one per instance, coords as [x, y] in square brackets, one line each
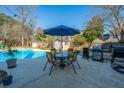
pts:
[2, 75]
[62, 58]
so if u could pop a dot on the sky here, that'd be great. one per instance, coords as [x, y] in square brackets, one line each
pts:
[73, 16]
[47, 16]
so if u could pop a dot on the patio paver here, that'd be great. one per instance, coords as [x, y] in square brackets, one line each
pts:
[29, 73]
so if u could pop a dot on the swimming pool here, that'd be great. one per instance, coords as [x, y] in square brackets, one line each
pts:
[21, 54]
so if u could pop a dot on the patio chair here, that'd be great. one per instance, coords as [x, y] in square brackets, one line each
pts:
[51, 60]
[73, 59]
[54, 52]
[70, 52]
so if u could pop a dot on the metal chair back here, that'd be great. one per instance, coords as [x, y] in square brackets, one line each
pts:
[70, 52]
[73, 58]
[53, 52]
[50, 57]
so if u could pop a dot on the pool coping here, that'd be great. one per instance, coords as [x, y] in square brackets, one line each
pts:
[29, 49]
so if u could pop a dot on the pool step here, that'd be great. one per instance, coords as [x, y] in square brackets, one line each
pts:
[29, 55]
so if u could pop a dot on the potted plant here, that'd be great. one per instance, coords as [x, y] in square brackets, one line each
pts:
[10, 51]
[7, 80]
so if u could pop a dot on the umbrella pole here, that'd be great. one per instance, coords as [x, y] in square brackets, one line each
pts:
[62, 46]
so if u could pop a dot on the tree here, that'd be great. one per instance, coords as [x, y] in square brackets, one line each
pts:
[6, 23]
[79, 40]
[11, 30]
[94, 29]
[114, 20]
[40, 37]
[20, 26]
[1, 19]
[25, 16]
[1, 23]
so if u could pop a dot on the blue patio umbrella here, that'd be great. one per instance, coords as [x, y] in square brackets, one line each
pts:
[62, 31]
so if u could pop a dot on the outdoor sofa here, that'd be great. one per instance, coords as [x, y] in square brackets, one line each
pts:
[118, 52]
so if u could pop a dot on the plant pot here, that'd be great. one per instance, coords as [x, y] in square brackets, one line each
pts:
[11, 63]
[7, 80]
[2, 75]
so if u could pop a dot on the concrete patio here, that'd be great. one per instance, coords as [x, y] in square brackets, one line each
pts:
[30, 74]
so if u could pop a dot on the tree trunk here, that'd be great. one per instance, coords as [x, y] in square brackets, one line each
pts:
[89, 44]
[27, 43]
[121, 37]
[22, 41]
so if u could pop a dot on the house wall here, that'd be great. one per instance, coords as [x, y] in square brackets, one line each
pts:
[112, 39]
[57, 45]
[39, 45]
[34, 45]
[66, 45]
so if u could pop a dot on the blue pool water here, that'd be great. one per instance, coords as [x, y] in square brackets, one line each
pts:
[21, 54]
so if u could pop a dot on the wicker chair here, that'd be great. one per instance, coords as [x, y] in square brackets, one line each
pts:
[70, 52]
[72, 59]
[51, 60]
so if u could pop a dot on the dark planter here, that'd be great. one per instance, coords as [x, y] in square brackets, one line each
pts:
[2, 75]
[11, 63]
[7, 80]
